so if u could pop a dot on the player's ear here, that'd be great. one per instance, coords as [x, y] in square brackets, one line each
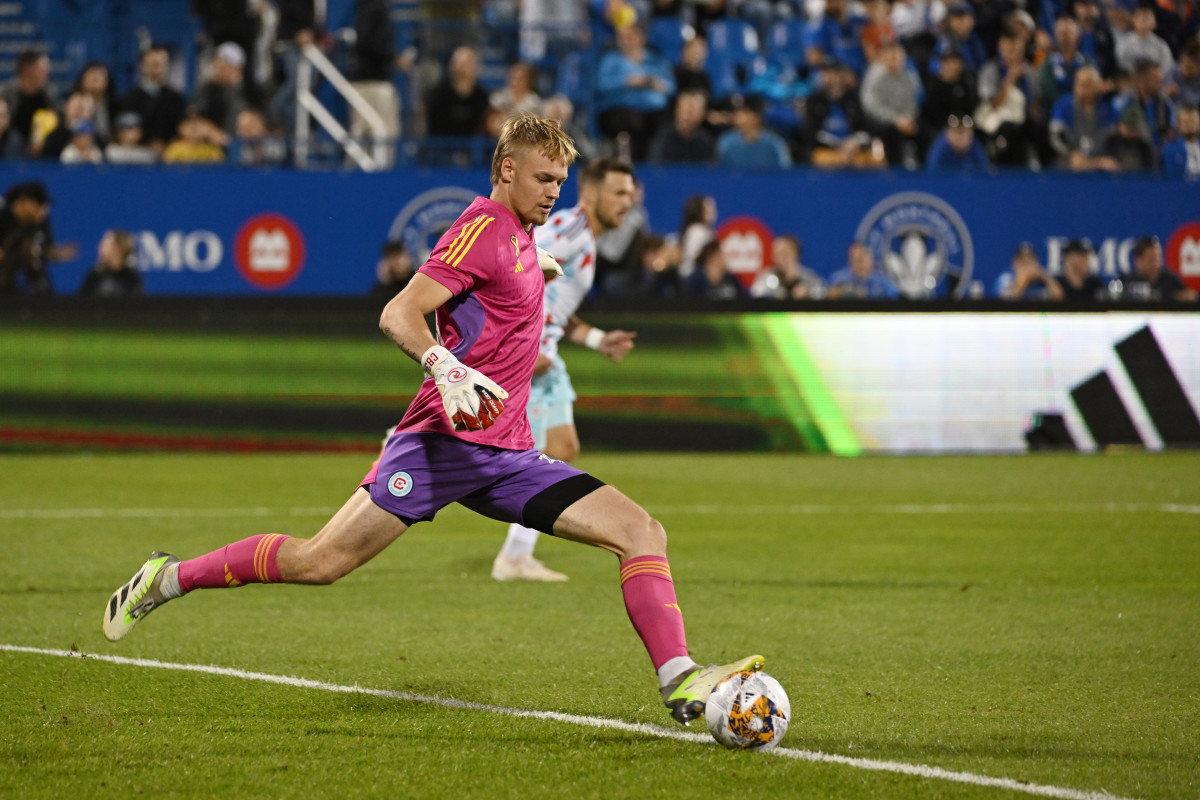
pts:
[507, 169]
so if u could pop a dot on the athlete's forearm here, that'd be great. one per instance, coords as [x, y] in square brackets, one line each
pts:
[406, 326]
[403, 319]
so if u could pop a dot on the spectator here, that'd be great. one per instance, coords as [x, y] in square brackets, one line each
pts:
[125, 147]
[298, 27]
[1128, 145]
[1175, 23]
[1078, 282]
[948, 92]
[749, 144]
[458, 105]
[1181, 155]
[27, 93]
[1151, 280]
[197, 142]
[12, 146]
[1079, 124]
[711, 279]
[1096, 40]
[1007, 87]
[160, 106]
[1140, 44]
[1027, 280]
[79, 108]
[1182, 83]
[559, 108]
[257, 145]
[836, 34]
[835, 128]
[222, 97]
[373, 75]
[878, 29]
[115, 273]
[95, 81]
[1057, 75]
[659, 258]
[956, 149]
[786, 278]
[393, 272]
[27, 245]
[890, 101]
[239, 22]
[686, 141]
[916, 23]
[82, 147]
[516, 95]
[1147, 94]
[690, 74]
[633, 87]
[695, 231]
[959, 37]
[860, 280]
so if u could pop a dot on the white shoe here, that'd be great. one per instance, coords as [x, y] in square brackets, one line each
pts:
[525, 568]
[137, 598]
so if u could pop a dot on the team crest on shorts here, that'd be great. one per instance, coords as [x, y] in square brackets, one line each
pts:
[400, 484]
[919, 241]
[427, 216]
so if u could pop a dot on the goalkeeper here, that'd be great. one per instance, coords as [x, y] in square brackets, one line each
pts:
[606, 193]
[466, 438]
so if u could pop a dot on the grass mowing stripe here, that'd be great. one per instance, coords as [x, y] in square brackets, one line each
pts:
[916, 770]
[703, 510]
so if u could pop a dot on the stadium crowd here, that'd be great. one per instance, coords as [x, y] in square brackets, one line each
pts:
[916, 84]
[1080, 85]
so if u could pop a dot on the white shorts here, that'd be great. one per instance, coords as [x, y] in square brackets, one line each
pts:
[550, 402]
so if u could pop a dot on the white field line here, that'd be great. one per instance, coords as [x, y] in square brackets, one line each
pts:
[702, 510]
[918, 770]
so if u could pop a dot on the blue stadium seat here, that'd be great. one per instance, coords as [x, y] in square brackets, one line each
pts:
[733, 39]
[785, 42]
[667, 35]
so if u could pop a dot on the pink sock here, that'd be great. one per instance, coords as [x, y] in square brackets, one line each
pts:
[248, 561]
[650, 602]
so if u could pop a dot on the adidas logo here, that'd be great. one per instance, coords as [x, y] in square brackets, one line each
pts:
[1106, 414]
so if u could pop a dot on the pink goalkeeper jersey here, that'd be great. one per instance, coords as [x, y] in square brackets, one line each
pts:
[492, 324]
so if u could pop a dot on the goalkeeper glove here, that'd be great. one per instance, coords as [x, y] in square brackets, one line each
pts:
[551, 269]
[471, 399]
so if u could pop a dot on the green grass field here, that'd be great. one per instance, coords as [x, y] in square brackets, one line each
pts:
[1031, 618]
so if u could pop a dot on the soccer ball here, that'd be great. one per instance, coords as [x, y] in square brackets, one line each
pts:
[748, 711]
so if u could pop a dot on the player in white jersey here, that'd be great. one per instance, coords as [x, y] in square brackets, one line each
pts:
[606, 193]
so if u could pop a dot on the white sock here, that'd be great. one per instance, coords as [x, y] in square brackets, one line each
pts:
[520, 541]
[169, 585]
[671, 669]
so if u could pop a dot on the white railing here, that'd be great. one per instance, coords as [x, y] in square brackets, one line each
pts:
[309, 108]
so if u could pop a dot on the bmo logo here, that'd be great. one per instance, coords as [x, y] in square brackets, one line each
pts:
[746, 243]
[269, 251]
[1183, 253]
[177, 251]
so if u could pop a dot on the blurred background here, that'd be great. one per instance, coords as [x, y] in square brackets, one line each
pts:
[936, 227]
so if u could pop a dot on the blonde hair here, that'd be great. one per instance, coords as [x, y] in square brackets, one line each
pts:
[523, 131]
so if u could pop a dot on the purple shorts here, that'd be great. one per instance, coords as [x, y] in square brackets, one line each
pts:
[419, 474]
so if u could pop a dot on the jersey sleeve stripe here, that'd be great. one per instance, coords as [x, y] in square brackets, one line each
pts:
[467, 238]
[463, 234]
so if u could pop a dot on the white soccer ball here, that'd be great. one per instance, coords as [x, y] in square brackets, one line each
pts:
[748, 711]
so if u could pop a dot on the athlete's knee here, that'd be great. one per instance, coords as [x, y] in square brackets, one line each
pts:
[563, 449]
[562, 443]
[644, 536]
